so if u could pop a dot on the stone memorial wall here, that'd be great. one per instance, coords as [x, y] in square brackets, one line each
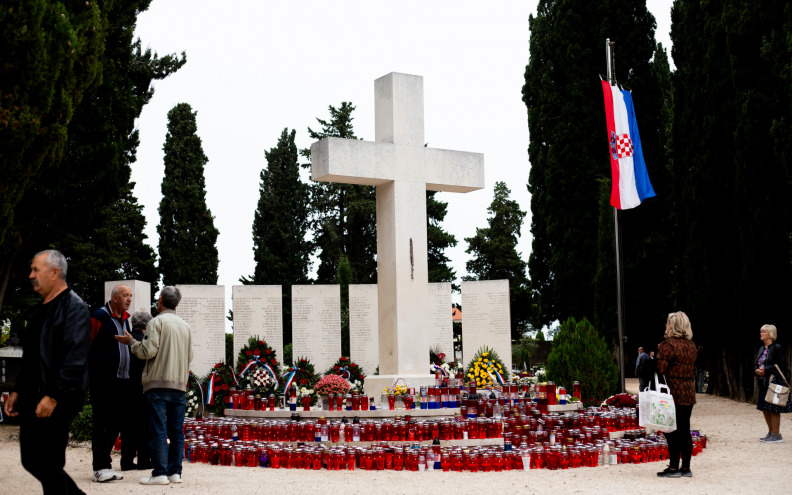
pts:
[363, 327]
[441, 326]
[203, 308]
[316, 324]
[258, 311]
[485, 319]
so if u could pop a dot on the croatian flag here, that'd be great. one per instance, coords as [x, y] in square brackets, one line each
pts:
[630, 180]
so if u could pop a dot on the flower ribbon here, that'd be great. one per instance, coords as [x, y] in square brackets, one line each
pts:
[344, 369]
[210, 389]
[266, 367]
[233, 375]
[441, 370]
[498, 378]
[290, 378]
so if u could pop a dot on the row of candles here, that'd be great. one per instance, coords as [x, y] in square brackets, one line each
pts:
[438, 397]
[417, 457]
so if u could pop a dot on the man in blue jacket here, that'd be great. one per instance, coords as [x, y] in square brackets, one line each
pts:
[50, 389]
[108, 371]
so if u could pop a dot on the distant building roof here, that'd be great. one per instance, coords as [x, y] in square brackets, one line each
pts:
[456, 314]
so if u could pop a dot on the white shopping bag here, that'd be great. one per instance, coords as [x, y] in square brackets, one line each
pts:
[656, 410]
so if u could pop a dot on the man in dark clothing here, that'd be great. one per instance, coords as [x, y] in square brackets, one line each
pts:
[109, 383]
[134, 430]
[642, 366]
[50, 389]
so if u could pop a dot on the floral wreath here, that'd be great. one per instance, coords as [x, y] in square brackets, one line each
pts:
[194, 397]
[216, 385]
[621, 400]
[303, 375]
[348, 370]
[257, 366]
[486, 368]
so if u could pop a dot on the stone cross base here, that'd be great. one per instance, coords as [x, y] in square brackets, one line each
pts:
[375, 384]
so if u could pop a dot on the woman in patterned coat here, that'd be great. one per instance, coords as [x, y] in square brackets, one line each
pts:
[676, 360]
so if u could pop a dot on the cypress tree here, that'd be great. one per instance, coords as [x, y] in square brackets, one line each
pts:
[280, 250]
[568, 150]
[494, 254]
[732, 164]
[187, 235]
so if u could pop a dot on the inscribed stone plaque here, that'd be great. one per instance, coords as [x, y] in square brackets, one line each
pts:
[363, 327]
[203, 308]
[316, 324]
[258, 311]
[485, 319]
[141, 294]
[441, 327]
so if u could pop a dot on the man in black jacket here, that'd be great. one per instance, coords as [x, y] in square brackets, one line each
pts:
[50, 389]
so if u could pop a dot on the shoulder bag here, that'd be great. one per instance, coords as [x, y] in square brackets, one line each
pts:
[777, 394]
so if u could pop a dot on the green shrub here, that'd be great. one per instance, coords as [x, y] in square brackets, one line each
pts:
[82, 424]
[579, 353]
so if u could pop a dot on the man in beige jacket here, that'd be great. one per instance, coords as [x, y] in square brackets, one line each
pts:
[167, 349]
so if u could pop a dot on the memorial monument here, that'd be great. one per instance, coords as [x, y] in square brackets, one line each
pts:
[402, 169]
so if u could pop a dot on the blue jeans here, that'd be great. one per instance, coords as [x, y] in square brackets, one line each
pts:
[166, 408]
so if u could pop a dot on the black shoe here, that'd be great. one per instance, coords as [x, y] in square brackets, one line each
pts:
[144, 466]
[129, 467]
[669, 473]
[687, 473]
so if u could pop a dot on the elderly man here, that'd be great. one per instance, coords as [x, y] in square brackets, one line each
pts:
[167, 349]
[109, 383]
[50, 389]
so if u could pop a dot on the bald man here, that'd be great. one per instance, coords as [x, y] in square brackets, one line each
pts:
[109, 383]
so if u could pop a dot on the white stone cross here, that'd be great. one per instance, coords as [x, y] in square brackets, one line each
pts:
[402, 169]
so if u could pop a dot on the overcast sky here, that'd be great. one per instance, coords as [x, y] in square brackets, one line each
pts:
[254, 68]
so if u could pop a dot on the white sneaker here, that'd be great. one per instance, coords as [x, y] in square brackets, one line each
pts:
[104, 475]
[175, 478]
[154, 480]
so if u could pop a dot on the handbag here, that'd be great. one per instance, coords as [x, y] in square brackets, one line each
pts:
[656, 409]
[777, 394]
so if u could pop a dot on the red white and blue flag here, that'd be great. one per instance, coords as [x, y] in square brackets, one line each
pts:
[630, 179]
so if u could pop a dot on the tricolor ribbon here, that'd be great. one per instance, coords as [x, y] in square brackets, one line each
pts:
[264, 365]
[498, 378]
[441, 370]
[233, 375]
[210, 389]
[290, 378]
[343, 370]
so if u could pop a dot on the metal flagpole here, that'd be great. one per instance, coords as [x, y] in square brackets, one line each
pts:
[611, 64]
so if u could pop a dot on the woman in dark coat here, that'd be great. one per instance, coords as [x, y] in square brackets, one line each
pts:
[769, 355]
[676, 360]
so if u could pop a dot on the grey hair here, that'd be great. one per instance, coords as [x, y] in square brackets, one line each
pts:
[170, 296]
[772, 331]
[140, 319]
[55, 259]
[117, 289]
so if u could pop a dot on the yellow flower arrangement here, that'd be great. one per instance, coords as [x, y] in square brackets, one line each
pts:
[482, 368]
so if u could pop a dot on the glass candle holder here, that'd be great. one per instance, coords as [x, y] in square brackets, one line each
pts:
[391, 402]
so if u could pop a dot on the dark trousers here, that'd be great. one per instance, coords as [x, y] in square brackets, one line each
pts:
[680, 444]
[42, 445]
[109, 401]
[135, 433]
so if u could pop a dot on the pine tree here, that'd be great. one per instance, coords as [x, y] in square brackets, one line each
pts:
[344, 217]
[280, 250]
[494, 254]
[187, 235]
[568, 149]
